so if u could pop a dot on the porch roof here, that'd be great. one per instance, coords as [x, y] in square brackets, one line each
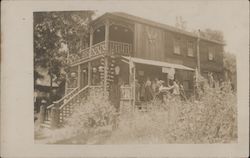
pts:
[158, 63]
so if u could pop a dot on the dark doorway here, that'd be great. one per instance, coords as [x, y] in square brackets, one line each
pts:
[84, 76]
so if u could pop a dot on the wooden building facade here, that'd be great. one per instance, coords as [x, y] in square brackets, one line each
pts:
[124, 48]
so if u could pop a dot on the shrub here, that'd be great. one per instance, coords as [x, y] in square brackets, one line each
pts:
[93, 116]
[96, 111]
[212, 119]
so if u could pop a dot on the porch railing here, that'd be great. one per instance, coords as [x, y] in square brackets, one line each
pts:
[57, 112]
[115, 48]
[126, 93]
[120, 48]
[68, 106]
[58, 103]
[97, 49]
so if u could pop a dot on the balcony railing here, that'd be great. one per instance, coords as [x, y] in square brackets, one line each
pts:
[120, 48]
[115, 48]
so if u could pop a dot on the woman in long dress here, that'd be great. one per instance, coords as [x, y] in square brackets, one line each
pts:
[148, 91]
[173, 109]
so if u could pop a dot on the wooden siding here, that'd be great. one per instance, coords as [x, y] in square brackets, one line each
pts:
[155, 41]
[181, 58]
[217, 64]
[149, 42]
[157, 44]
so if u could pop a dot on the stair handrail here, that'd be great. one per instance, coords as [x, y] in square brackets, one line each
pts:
[58, 101]
[86, 87]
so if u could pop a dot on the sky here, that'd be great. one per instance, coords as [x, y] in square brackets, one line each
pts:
[231, 17]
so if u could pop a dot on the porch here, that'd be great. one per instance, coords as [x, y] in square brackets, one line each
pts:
[114, 48]
[141, 70]
[105, 40]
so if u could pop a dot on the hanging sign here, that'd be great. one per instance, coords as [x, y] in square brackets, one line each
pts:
[170, 71]
[117, 70]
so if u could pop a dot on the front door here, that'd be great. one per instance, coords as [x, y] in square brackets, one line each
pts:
[164, 77]
[84, 77]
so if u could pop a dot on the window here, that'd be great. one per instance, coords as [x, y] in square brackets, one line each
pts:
[211, 52]
[177, 47]
[190, 49]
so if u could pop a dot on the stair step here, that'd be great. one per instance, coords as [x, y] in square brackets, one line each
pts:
[47, 122]
[45, 125]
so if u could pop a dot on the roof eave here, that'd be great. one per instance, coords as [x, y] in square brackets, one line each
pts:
[157, 24]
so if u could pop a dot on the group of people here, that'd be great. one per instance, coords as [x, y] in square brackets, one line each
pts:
[152, 89]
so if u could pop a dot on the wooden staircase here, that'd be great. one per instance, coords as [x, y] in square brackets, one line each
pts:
[54, 115]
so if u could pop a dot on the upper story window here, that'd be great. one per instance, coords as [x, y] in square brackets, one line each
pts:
[190, 49]
[211, 52]
[177, 46]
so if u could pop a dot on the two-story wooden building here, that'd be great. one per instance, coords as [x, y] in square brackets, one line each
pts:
[123, 48]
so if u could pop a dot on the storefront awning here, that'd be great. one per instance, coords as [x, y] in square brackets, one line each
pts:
[158, 63]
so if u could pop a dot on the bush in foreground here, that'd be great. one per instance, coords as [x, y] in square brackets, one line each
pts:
[212, 119]
[94, 116]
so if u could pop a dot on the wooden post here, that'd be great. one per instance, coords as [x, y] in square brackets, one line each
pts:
[89, 73]
[198, 52]
[106, 36]
[134, 86]
[91, 40]
[66, 84]
[79, 76]
[90, 51]
[105, 73]
[55, 113]
[106, 53]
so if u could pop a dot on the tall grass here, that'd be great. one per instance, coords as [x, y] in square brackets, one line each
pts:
[94, 116]
[212, 119]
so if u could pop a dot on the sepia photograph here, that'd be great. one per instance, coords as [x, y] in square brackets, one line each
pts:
[119, 78]
[125, 78]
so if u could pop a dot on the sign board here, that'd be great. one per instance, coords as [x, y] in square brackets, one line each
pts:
[170, 71]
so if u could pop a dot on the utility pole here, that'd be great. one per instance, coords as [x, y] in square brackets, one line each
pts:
[198, 52]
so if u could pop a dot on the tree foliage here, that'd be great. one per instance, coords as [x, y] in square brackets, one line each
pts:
[229, 62]
[55, 35]
[212, 34]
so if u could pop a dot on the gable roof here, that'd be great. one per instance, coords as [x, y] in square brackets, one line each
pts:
[156, 24]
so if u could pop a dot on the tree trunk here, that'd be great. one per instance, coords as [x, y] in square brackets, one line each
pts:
[51, 89]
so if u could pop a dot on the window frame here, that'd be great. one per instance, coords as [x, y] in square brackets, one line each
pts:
[177, 44]
[211, 51]
[190, 44]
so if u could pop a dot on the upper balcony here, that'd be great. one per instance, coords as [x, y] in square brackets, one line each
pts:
[114, 48]
[109, 37]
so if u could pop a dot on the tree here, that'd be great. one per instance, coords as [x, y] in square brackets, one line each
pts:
[212, 34]
[229, 62]
[56, 34]
[230, 69]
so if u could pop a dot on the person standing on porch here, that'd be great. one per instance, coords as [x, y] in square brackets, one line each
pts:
[211, 79]
[154, 87]
[142, 90]
[182, 92]
[137, 90]
[176, 88]
[173, 109]
[163, 92]
[148, 90]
